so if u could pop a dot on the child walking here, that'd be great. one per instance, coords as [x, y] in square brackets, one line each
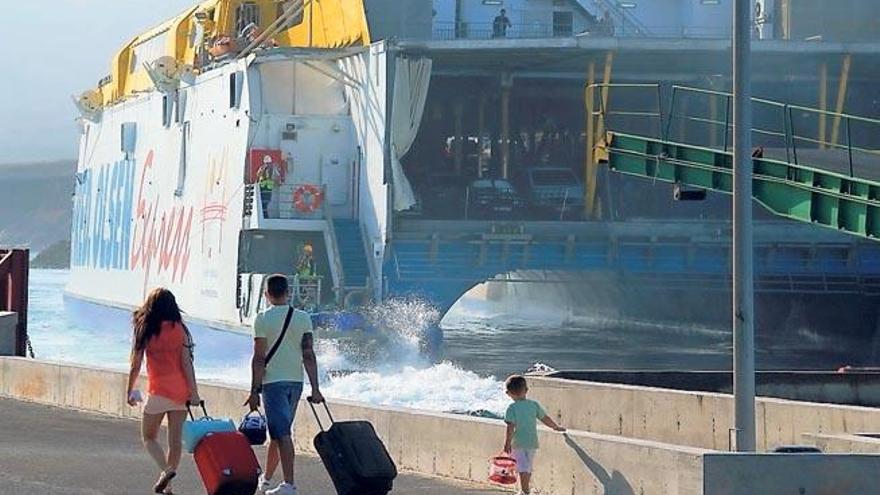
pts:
[522, 418]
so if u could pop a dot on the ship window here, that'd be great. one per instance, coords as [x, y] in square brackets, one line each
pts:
[246, 14]
[184, 158]
[180, 107]
[236, 83]
[166, 110]
[128, 138]
[563, 24]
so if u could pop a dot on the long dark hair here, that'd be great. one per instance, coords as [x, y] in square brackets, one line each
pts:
[147, 320]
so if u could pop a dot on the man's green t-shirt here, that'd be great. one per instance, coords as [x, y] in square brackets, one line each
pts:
[287, 363]
[524, 415]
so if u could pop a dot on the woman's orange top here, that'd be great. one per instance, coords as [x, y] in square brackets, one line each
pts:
[164, 366]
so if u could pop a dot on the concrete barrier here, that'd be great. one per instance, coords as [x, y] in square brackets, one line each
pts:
[696, 419]
[843, 443]
[8, 321]
[814, 474]
[855, 388]
[458, 447]
[445, 445]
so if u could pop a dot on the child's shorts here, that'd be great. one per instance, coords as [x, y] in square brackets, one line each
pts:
[524, 459]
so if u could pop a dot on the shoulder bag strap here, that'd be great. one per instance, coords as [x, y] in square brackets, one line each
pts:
[280, 337]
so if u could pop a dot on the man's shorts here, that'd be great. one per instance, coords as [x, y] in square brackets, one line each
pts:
[524, 459]
[280, 400]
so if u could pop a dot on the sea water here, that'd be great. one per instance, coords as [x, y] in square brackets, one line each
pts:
[395, 375]
[484, 341]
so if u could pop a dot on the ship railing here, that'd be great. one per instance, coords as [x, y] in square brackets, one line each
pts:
[704, 118]
[334, 253]
[305, 292]
[283, 205]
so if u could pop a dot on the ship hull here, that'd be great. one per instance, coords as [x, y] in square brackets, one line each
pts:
[821, 327]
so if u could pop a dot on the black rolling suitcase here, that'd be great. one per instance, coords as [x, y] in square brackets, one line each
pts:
[354, 456]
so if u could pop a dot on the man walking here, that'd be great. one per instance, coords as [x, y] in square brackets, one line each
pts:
[283, 346]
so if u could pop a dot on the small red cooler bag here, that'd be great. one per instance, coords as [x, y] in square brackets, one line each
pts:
[502, 469]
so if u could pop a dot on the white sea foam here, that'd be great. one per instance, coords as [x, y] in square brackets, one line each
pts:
[386, 368]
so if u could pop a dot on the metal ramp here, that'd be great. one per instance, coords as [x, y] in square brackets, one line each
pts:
[799, 174]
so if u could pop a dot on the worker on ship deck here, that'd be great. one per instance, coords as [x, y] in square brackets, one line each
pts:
[267, 176]
[305, 266]
[306, 275]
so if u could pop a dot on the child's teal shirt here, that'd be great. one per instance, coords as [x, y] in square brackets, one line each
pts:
[524, 415]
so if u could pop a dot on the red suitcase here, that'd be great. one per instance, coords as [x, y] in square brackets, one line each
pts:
[227, 464]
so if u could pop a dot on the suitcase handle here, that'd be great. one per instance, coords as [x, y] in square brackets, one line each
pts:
[315, 412]
[189, 409]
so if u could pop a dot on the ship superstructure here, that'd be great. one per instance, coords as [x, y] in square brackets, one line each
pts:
[178, 139]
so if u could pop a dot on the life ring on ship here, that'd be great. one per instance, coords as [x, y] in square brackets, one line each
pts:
[307, 198]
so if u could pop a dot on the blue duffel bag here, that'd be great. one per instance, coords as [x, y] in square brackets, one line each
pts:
[196, 429]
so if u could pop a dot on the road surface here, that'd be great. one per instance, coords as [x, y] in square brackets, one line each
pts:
[46, 450]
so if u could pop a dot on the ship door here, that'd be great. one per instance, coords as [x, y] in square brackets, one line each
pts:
[336, 176]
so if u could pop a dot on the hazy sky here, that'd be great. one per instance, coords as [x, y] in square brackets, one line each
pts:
[53, 49]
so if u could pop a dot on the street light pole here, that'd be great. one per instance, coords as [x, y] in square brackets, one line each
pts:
[743, 274]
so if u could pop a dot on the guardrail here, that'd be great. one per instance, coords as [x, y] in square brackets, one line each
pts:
[334, 253]
[288, 202]
[703, 117]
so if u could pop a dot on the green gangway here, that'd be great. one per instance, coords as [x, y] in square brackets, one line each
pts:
[810, 165]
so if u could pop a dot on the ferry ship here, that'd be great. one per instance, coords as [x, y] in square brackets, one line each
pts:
[297, 95]
[193, 114]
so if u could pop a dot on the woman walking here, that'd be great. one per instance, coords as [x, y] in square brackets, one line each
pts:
[159, 333]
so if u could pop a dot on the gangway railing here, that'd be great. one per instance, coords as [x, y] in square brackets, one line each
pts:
[334, 253]
[829, 180]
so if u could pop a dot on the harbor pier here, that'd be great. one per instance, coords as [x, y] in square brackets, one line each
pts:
[457, 447]
[71, 452]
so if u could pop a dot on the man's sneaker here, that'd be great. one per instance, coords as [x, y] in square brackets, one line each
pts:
[283, 489]
[265, 484]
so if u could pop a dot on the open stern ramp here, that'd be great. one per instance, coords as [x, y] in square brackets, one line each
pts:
[800, 171]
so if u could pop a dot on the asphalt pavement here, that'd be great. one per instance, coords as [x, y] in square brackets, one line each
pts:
[47, 450]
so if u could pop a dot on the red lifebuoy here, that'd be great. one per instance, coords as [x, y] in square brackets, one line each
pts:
[307, 198]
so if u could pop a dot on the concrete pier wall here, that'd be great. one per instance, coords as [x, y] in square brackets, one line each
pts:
[773, 474]
[445, 445]
[697, 419]
[458, 447]
[855, 388]
[843, 443]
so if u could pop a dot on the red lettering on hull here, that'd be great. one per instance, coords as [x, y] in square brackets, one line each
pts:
[160, 236]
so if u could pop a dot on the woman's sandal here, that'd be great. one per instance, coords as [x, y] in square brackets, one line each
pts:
[163, 481]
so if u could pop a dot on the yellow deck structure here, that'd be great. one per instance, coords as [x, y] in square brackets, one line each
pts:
[190, 37]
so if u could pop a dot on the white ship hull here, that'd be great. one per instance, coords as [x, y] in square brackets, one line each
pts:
[162, 195]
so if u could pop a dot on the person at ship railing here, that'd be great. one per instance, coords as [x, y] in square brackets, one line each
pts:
[305, 266]
[283, 347]
[268, 177]
[306, 275]
[161, 336]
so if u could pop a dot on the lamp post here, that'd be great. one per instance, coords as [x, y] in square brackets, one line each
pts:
[743, 273]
